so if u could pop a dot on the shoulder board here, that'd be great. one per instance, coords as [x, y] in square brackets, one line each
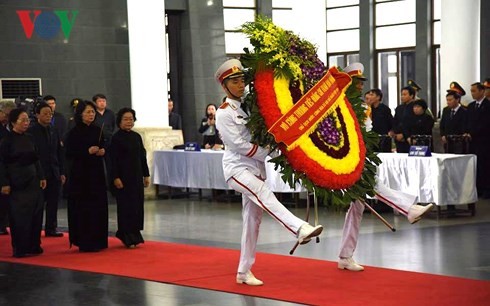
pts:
[224, 105]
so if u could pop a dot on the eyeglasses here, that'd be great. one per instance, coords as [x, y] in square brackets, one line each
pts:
[24, 120]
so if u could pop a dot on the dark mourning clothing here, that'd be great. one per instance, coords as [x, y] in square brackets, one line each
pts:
[479, 129]
[60, 123]
[175, 121]
[210, 133]
[453, 125]
[51, 155]
[21, 170]
[3, 198]
[420, 125]
[106, 121]
[453, 122]
[382, 124]
[129, 164]
[87, 196]
[403, 115]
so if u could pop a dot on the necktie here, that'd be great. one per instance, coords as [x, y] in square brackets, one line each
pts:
[453, 112]
[244, 107]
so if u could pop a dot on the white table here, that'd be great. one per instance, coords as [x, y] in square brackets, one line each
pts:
[203, 170]
[443, 179]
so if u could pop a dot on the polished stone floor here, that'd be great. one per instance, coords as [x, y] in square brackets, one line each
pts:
[450, 245]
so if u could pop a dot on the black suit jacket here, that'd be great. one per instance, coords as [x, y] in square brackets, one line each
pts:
[456, 125]
[479, 122]
[175, 121]
[50, 149]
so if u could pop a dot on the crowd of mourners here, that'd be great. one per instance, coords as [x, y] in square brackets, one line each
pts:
[44, 156]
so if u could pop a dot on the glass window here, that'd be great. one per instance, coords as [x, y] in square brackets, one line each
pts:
[407, 68]
[341, 41]
[343, 18]
[395, 36]
[437, 9]
[392, 63]
[387, 77]
[235, 42]
[337, 3]
[437, 33]
[238, 3]
[392, 91]
[282, 3]
[234, 18]
[283, 18]
[439, 103]
[395, 12]
[336, 60]
[352, 58]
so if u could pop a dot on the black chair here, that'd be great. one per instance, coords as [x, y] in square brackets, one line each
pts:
[385, 144]
[457, 144]
[421, 140]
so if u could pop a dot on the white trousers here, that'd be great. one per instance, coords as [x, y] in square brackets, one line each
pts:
[257, 197]
[398, 200]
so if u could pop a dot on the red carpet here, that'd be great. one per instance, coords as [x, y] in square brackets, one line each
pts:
[286, 277]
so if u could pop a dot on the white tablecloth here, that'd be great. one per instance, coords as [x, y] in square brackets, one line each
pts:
[444, 179]
[204, 170]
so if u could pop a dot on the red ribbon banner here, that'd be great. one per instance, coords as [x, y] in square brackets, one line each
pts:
[311, 108]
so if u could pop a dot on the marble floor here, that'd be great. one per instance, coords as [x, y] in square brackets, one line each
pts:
[449, 245]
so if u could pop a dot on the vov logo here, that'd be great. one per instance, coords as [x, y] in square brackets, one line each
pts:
[46, 24]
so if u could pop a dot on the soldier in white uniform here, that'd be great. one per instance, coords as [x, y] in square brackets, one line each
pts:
[244, 170]
[400, 201]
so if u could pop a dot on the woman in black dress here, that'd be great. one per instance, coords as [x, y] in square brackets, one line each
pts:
[22, 178]
[130, 175]
[211, 138]
[87, 192]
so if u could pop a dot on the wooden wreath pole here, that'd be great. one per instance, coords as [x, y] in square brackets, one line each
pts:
[379, 216]
[315, 203]
[306, 219]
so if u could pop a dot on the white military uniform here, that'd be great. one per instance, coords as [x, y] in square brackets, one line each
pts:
[244, 170]
[398, 200]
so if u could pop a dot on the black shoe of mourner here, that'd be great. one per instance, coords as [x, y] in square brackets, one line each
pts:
[37, 251]
[3, 231]
[53, 233]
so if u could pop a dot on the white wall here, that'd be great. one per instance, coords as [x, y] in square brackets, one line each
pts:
[460, 45]
[148, 65]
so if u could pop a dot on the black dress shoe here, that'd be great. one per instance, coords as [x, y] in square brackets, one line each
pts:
[53, 234]
[88, 250]
[37, 251]
[3, 231]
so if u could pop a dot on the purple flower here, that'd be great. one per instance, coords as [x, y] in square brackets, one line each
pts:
[328, 131]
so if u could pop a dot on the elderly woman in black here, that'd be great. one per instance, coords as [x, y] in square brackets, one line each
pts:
[22, 178]
[87, 192]
[130, 175]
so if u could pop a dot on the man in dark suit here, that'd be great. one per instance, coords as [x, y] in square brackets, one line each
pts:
[50, 150]
[5, 107]
[478, 129]
[58, 120]
[381, 118]
[454, 121]
[403, 116]
[174, 119]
